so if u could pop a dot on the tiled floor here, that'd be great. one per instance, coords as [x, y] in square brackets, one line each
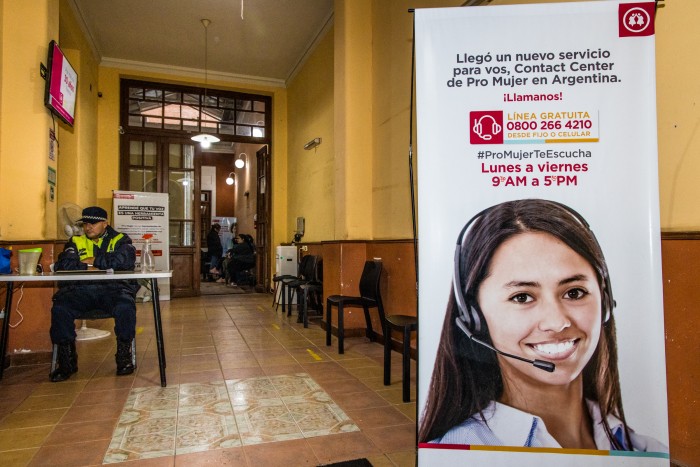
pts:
[247, 386]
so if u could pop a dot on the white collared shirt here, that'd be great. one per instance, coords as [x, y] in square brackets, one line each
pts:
[507, 426]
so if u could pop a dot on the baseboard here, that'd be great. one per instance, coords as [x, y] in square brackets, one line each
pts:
[29, 358]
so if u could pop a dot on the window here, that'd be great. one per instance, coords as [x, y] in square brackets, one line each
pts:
[223, 113]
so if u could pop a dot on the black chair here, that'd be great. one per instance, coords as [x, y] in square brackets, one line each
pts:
[370, 297]
[277, 295]
[311, 296]
[406, 324]
[92, 314]
[308, 272]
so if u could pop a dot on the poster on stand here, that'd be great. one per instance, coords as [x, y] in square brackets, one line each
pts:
[540, 291]
[140, 213]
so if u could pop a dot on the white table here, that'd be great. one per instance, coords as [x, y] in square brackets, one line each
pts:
[10, 279]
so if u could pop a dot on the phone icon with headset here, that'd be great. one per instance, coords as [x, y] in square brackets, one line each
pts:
[486, 127]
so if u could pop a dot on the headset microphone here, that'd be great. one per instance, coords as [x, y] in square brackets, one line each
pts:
[541, 364]
[468, 316]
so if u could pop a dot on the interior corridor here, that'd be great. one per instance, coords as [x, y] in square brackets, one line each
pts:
[247, 386]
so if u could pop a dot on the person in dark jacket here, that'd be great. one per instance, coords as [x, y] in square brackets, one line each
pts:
[215, 249]
[242, 256]
[100, 247]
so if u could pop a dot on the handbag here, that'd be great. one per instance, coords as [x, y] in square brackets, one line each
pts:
[5, 261]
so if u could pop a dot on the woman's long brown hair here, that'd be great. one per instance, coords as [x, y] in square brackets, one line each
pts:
[466, 376]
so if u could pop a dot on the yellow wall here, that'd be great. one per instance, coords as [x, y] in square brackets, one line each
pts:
[678, 93]
[386, 94]
[353, 119]
[370, 59]
[678, 113]
[27, 28]
[311, 173]
[392, 31]
[77, 161]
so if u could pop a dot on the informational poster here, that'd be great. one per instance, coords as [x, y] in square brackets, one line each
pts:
[141, 215]
[540, 296]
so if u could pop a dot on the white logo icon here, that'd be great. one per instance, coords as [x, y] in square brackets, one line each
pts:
[636, 20]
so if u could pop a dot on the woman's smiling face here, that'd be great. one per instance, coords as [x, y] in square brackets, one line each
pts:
[541, 300]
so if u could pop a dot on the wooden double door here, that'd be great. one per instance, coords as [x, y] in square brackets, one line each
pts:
[162, 164]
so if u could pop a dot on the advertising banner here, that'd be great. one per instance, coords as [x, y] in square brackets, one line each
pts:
[139, 213]
[540, 297]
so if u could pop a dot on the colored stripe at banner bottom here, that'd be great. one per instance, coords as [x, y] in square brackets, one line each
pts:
[548, 141]
[588, 452]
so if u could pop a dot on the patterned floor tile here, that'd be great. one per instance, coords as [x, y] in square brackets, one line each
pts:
[198, 417]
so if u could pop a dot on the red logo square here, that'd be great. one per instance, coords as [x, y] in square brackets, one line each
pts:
[486, 127]
[636, 19]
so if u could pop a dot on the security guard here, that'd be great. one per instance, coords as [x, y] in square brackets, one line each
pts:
[100, 247]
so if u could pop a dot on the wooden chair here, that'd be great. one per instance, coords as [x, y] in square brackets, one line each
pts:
[370, 297]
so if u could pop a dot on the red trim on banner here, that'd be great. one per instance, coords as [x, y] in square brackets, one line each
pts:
[461, 447]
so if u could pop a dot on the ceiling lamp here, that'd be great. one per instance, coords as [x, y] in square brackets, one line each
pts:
[231, 179]
[205, 139]
[241, 162]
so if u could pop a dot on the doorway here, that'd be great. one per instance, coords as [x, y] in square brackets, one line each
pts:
[245, 201]
[156, 123]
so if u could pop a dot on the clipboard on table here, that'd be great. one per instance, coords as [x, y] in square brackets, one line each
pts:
[81, 271]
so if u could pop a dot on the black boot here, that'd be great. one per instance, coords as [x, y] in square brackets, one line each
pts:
[66, 362]
[125, 364]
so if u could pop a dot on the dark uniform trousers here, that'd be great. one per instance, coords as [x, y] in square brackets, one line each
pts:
[70, 302]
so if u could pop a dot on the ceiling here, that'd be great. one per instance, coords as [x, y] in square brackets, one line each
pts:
[263, 41]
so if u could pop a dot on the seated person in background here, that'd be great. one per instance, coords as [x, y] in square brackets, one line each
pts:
[100, 247]
[231, 240]
[214, 248]
[242, 256]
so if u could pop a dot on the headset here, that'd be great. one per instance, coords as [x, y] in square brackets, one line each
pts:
[470, 317]
[479, 128]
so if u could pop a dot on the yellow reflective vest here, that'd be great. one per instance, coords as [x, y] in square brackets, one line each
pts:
[85, 245]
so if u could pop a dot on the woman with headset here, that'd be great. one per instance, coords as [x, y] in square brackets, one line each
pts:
[528, 353]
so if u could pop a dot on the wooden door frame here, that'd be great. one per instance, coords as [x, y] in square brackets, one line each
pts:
[263, 234]
[162, 166]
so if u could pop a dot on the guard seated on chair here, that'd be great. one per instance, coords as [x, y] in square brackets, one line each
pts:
[100, 247]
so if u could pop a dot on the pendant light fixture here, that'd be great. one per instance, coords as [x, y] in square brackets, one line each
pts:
[205, 139]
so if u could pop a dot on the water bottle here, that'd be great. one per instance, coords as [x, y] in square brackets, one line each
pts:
[148, 262]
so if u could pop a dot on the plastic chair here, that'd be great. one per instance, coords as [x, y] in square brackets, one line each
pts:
[278, 295]
[406, 324]
[311, 292]
[308, 272]
[93, 314]
[370, 297]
